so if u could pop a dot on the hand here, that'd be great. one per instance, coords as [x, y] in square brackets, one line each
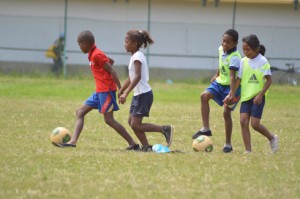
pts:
[122, 98]
[213, 78]
[258, 99]
[120, 93]
[228, 99]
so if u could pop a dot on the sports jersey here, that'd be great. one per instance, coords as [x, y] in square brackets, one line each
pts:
[143, 85]
[103, 79]
[227, 61]
[252, 74]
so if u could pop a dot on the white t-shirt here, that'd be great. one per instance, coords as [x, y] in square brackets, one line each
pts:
[255, 63]
[143, 85]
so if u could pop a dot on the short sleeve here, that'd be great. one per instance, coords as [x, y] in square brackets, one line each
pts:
[137, 57]
[267, 69]
[234, 63]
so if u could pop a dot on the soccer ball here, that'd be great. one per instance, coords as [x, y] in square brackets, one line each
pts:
[60, 135]
[202, 143]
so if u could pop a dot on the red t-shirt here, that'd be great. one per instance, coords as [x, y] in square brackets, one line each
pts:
[103, 79]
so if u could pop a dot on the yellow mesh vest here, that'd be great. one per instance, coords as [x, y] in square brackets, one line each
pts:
[224, 75]
[252, 81]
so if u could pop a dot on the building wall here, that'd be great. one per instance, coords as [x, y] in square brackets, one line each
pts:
[186, 34]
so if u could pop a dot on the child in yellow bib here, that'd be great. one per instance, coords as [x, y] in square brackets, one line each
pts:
[221, 85]
[255, 79]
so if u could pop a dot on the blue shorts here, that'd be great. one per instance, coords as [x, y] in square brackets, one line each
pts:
[141, 104]
[255, 110]
[220, 92]
[104, 101]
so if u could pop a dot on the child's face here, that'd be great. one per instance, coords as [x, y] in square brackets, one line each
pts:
[248, 51]
[228, 43]
[84, 46]
[130, 46]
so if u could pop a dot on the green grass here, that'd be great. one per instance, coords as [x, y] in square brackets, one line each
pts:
[31, 167]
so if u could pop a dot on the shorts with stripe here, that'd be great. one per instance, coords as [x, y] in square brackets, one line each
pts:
[103, 101]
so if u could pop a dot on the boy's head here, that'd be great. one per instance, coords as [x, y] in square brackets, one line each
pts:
[85, 41]
[230, 39]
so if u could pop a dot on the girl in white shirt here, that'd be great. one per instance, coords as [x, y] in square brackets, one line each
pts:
[142, 93]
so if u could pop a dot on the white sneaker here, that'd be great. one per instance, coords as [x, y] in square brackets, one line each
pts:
[274, 144]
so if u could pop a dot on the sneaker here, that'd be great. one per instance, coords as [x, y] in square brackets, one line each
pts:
[207, 133]
[168, 133]
[274, 144]
[147, 148]
[135, 147]
[227, 149]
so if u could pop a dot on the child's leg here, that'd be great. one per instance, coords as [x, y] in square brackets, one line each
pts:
[140, 128]
[109, 120]
[135, 122]
[80, 113]
[228, 124]
[244, 121]
[205, 109]
[255, 123]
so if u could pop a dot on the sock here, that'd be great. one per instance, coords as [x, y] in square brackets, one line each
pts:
[227, 145]
[204, 129]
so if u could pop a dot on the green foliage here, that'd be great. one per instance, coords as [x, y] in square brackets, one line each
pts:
[31, 167]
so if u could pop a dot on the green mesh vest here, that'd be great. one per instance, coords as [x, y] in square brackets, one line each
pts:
[252, 81]
[224, 75]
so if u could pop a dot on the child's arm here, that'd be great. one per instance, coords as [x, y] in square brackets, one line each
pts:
[231, 94]
[124, 87]
[233, 85]
[107, 66]
[215, 76]
[111, 61]
[134, 82]
[259, 97]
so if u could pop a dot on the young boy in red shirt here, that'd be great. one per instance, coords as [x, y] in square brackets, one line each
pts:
[104, 99]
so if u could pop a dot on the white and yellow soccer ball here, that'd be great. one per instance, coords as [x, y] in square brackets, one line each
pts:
[202, 144]
[60, 135]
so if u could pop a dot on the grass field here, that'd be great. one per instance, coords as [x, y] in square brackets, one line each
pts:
[31, 167]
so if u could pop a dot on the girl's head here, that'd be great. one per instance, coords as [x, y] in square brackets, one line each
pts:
[85, 41]
[137, 38]
[230, 40]
[252, 46]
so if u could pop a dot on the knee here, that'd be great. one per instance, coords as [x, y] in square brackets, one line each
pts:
[243, 122]
[79, 113]
[134, 127]
[205, 97]
[109, 121]
[255, 125]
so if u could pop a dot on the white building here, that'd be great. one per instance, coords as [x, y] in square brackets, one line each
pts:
[186, 33]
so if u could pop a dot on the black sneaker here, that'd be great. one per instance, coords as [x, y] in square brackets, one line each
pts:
[147, 148]
[135, 147]
[168, 133]
[227, 149]
[207, 133]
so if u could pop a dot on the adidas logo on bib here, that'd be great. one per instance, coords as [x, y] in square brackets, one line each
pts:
[253, 79]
